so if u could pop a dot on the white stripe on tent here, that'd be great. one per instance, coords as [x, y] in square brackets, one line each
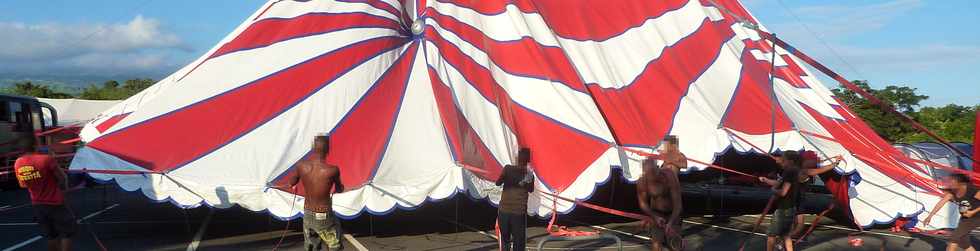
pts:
[227, 72]
[552, 99]
[290, 9]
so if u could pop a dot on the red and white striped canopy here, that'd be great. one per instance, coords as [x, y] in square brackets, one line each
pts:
[424, 99]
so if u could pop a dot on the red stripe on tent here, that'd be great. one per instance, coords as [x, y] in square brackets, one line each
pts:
[273, 30]
[359, 142]
[751, 108]
[642, 112]
[524, 57]
[869, 154]
[466, 144]
[582, 20]
[559, 153]
[200, 128]
[787, 73]
[270, 31]
[793, 66]
[108, 123]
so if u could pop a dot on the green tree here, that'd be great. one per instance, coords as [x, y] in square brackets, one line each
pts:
[953, 122]
[112, 90]
[905, 99]
[27, 88]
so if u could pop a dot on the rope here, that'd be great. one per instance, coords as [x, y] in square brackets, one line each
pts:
[556, 230]
[816, 221]
[758, 221]
[852, 239]
[757, 148]
[607, 210]
[89, 229]
[653, 155]
[282, 237]
[52, 131]
[772, 99]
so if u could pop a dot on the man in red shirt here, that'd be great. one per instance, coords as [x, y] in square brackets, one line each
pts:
[45, 181]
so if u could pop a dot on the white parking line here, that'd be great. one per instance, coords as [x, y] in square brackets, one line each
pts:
[852, 230]
[37, 238]
[200, 232]
[621, 232]
[493, 236]
[25, 243]
[725, 228]
[96, 213]
[8, 208]
[357, 245]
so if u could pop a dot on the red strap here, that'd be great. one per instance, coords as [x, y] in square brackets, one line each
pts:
[72, 126]
[748, 142]
[71, 141]
[653, 155]
[939, 165]
[816, 221]
[600, 208]
[556, 230]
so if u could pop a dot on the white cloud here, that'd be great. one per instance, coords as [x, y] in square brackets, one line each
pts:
[835, 24]
[910, 58]
[139, 44]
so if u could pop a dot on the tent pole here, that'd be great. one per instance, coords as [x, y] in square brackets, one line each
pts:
[772, 99]
[976, 142]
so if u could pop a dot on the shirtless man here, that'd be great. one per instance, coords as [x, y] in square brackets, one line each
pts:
[659, 194]
[320, 230]
[671, 154]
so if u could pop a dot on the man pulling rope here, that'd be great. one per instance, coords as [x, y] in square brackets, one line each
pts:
[659, 194]
[46, 183]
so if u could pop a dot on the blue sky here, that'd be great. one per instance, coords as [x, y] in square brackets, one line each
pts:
[930, 45]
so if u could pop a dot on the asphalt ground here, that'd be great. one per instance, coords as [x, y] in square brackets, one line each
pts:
[129, 221]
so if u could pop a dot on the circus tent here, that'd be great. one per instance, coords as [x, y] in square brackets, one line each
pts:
[426, 99]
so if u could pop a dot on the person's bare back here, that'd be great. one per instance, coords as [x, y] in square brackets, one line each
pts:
[319, 179]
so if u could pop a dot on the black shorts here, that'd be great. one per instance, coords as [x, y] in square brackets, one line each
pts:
[781, 222]
[961, 236]
[55, 221]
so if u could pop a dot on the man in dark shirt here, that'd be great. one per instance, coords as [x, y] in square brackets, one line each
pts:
[517, 183]
[320, 229]
[810, 170]
[45, 181]
[967, 199]
[786, 188]
[658, 192]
